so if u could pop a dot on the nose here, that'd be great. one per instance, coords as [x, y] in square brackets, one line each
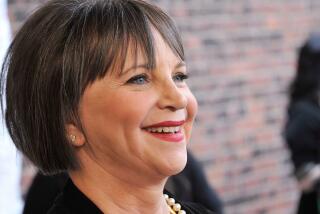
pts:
[172, 97]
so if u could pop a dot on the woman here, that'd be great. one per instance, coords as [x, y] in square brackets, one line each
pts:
[97, 88]
[302, 130]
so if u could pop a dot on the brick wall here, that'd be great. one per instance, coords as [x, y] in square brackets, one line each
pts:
[241, 58]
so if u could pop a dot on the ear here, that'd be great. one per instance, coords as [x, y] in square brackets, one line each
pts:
[75, 135]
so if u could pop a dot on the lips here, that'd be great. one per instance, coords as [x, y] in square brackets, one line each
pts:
[166, 124]
[168, 131]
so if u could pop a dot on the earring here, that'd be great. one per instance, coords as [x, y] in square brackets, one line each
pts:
[72, 138]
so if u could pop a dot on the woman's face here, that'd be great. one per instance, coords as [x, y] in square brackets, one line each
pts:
[141, 120]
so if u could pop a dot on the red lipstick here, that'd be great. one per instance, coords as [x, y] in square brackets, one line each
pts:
[166, 124]
[175, 137]
[170, 137]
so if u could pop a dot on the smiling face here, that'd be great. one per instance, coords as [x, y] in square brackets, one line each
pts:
[140, 121]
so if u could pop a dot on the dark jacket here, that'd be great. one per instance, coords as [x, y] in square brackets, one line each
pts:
[73, 201]
[302, 134]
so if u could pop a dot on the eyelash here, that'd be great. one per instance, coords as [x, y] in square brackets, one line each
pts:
[179, 77]
[134, 79]
[182, 77]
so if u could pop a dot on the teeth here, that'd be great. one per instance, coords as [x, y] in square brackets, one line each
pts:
[164, 129]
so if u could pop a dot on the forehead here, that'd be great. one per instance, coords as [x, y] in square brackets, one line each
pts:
[162, 55]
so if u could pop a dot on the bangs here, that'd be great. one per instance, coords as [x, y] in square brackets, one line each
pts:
[105, 30]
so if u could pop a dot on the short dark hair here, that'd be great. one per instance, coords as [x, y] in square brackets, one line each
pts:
[306, 83]
[61, 49]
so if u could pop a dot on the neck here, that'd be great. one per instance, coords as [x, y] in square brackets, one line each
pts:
[119, 193]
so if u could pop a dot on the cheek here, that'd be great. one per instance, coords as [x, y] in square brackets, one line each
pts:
[192, 106]
[132, 109]
[192, 109]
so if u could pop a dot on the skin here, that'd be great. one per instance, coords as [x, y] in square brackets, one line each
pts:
[124, 168]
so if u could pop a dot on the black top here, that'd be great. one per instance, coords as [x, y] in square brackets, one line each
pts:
[302, 133]
[73, 201]
[43, 191]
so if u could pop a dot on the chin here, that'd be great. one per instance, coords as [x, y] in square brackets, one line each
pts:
[175, 164]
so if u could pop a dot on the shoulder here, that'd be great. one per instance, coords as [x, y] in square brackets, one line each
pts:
[193, 208]
[73, 201]
[304, 115]
[305, 108]
[58, 206]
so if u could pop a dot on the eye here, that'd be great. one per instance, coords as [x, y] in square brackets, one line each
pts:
[180, 77]
[139, 79]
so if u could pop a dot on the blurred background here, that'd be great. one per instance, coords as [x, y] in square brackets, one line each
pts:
[241, 57]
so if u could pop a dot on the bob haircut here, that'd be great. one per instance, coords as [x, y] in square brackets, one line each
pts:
[61, 49]
[306, 83]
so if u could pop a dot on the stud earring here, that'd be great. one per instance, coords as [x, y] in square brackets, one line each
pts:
[72, 138]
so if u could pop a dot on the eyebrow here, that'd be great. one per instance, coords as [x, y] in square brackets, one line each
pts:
[145, 66]
[180, 64]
